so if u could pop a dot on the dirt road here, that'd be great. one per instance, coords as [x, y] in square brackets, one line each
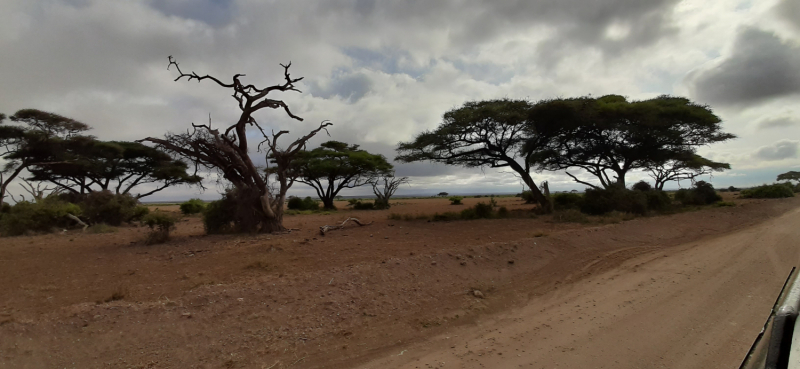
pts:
[699, 305]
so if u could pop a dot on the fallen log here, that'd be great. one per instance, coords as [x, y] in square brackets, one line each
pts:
[327, 228]
[81, 223]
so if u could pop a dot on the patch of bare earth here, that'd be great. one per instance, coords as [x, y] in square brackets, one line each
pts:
[301, 299]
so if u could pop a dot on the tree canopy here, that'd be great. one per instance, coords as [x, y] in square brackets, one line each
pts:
[31, 141]
[687, 166]
[789, 176]
[86, 165]
[609, 136]
[479, 134]
[335, 165]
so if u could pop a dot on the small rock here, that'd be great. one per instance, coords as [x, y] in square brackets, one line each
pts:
[463, 263]
[511, 261]
[370, 235]
[386, 238]
[188, 315]
[477, 294]
[433, 263]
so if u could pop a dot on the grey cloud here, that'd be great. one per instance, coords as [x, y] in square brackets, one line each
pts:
[349, 87]
[784, 149]
[780, 122]
[386, 60]
[487, 72]
[789, 10]
[212, 12]
[760, 67]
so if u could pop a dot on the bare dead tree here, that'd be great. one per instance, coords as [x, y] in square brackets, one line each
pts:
[385, 187]
[260, 204]
[38, 193]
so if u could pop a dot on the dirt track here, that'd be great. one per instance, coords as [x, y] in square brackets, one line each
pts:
[646, 293]
[699, 305]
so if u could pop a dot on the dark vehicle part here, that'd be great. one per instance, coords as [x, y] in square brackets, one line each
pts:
[778, 344]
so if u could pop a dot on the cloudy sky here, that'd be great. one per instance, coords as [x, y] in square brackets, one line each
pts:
[382, 71]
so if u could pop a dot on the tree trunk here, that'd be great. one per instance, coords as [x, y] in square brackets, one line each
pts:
[271, 225]
[327, 203]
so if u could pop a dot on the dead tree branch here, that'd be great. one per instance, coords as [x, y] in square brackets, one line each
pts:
[327, 228]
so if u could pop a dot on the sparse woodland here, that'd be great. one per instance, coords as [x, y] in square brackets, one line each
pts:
[72, 178]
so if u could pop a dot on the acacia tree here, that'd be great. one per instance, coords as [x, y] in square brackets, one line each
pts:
[31, 141]
[335, 166]
[610, 136]
[789, 176]
[689, 167]
[479, 134]
[87, 165]
[384, 188]
[259, 204]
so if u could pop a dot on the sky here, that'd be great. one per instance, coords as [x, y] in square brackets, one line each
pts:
[384, 71]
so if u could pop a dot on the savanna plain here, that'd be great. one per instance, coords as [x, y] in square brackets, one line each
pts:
[685, 290]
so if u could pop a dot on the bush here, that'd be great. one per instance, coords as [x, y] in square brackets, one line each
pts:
[733, 189]
[527, 196]
[446, 216]
[219, 216]
[563, 201]
[139, 212]
[483, 210]
[602, 201]
[101, 228]
[456, 200]
[702, 193]
[42, 216]
[641, 186]
[503, 212]
[657, 200]
[773, 191]
[570, 216]
[160, 224]
[193, 206]
[108, 207]
[296, 203]
[359, 205]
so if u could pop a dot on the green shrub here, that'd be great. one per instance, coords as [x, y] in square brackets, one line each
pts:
[657, 200]
[701, 193]
[381, 205]
[503, 212]
[602, 201]
[193, 206]
[219, 216]
[5, 208]
[773, 191]
[42, 216]
[456, 200]
[733, 189]
[527, 196]
[160, 224]
[296, 203]
[364, 206]
[446, 216]
[641, 186]
[483, 210]
[108, 207]
[563, 201]
[139, 212]
[101, 228]
[570, 216]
